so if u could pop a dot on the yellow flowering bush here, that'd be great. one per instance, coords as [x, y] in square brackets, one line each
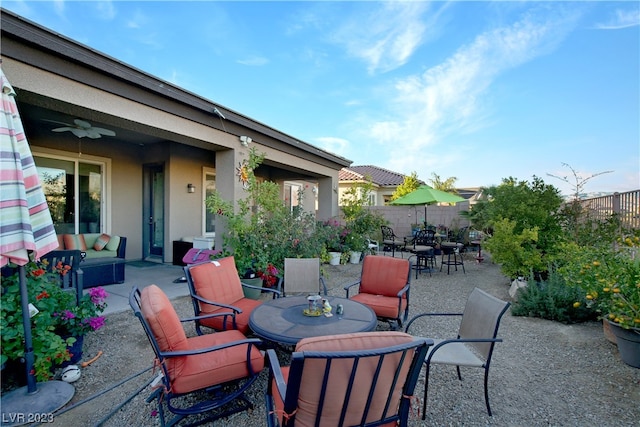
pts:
[609, 277]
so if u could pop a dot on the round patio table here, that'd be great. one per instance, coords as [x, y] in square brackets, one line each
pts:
[281, 320]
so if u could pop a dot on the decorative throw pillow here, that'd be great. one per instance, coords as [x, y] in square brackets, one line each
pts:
[113, 244]
[74, 241]
[101, 242]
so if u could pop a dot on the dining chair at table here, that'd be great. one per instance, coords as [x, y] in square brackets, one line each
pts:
[364, 379]
[423, 249]
[384, 286]
[302, 277]
[200, 374]
[391, 241]
[453, 249]
[216, 288]
[475, 341]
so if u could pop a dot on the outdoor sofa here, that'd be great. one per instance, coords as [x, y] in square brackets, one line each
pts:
[104, 259]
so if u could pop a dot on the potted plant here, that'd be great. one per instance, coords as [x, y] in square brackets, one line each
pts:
[610, 279]
[56, 325]
[76, 321]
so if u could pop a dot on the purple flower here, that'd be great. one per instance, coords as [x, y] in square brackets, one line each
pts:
[98, 295]
[68, 315]
[95, 322]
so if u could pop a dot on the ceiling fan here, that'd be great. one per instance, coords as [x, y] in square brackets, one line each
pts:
[82, 128]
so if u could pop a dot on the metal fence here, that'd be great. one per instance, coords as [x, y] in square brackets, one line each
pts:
[626, 205]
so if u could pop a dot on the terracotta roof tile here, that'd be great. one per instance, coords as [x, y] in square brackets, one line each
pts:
[379, 176]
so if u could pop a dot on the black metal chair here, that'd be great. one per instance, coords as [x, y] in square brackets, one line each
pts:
[201, 374]
[423, 249]
[390, 241]
[71, 278]
[453, 250]
[474, 344]
[364, 379]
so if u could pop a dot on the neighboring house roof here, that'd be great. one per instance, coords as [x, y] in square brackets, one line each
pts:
[379, 176]
[469, 192]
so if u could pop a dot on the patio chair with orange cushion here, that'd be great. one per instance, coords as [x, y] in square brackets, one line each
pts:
[216, 288]
[224, 364]
[384, 286]
[364, 379]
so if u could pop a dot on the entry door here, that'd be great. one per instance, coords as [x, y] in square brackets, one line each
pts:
[154, 210]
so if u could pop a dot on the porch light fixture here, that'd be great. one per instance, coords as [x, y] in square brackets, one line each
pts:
[191, 188]
[245, 140]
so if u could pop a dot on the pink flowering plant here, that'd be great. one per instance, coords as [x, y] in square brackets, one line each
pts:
[84, 317]
[55, 322]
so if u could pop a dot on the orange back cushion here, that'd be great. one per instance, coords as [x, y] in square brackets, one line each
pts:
[383, 275]
[312, 378]
[74, 241]
[162, 319]
[217, 281]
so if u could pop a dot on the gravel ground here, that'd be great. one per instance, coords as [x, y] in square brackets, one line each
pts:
[543, 374]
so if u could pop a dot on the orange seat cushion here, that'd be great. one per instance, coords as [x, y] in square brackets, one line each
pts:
[216, 367]
[382, 305]
[313, 373]
[242, 319]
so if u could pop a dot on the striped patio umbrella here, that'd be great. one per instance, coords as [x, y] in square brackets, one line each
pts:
[26, 221]
[25, 226]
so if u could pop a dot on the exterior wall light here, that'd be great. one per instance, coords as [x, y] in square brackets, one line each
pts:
[191, 188]
[245, 140]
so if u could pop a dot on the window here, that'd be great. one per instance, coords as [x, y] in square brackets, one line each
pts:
[209, 217]
[74, 191]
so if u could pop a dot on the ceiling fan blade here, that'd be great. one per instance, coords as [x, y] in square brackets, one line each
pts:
[92, 133]
[80, 133]
[55, 121]
[63, 129]
[106, 132]
[82, 124]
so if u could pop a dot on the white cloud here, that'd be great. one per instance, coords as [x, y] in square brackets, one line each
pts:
[621, 19]
[106, 10]
[450, 98]
[332, 144]
[253, 61]
[386, 38]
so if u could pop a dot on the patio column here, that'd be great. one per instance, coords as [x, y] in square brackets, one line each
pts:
[327, 197]
[228, 184]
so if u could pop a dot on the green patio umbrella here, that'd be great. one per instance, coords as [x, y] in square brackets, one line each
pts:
[425, 195]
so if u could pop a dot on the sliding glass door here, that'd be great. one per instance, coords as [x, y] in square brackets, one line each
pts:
[74, 191]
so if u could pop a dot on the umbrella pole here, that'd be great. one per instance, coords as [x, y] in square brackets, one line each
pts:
[26, 323]
[425, 217]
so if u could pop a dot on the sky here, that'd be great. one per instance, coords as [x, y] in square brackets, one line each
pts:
[480, 91]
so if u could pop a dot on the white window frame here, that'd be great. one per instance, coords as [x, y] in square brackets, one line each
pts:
[205, 172]
[104, 162]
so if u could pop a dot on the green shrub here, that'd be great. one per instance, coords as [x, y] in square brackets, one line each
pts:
[553, 299]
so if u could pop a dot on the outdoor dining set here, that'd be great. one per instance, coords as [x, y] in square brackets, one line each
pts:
[329, 358]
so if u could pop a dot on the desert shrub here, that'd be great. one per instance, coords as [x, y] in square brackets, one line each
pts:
[553, 299]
